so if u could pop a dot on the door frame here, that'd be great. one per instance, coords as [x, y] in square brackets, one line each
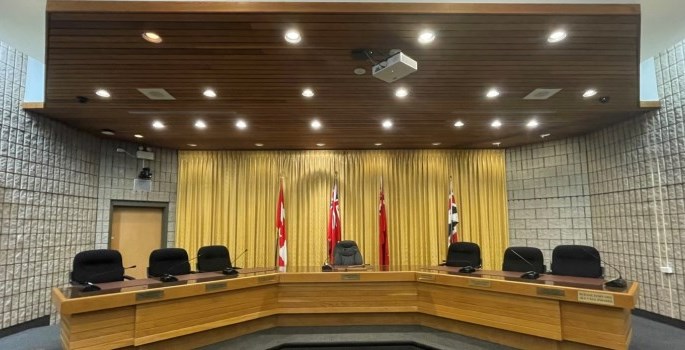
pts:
[140, 204]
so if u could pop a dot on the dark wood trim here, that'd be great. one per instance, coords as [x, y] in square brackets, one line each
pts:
[38, 322]
[339, 7]
[140, 204]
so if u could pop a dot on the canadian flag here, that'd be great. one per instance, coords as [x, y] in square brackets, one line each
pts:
[280, 227]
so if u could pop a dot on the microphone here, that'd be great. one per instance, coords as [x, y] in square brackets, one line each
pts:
[168, 277]
[466, 269]
[92, 287]
[615, 283]
[530, 275]
[232, 271]
[326, 267]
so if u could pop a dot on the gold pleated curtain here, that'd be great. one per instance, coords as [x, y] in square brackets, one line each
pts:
[229, 198]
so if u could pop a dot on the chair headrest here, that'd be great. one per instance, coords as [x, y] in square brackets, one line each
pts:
[97, 257]
[464, 247]
[213, 251]
[175, 254]
[576, 251]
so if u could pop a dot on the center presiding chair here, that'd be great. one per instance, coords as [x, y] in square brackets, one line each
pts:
[515, 260]
[347, 253]
[213, 258]
[98, 266]
[168, 261]
[463, 254]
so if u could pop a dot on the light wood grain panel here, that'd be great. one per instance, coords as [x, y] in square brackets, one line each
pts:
[508, 312]
[106, 329]
[596, 325]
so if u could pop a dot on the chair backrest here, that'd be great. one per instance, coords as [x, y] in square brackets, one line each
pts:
[576, 260]
[97, 266]
[213, 258]
[462, 254]
[347, 253]
[173, 261]
[514, 262]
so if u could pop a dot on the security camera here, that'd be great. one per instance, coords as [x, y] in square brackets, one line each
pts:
[82, 99]
[604, 99]
[145, 174]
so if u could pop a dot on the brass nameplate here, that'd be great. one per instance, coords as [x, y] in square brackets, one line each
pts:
[479, 283]
[426, 277]
[264, 279]
[215, 286]
[549, 292]
[151, 295]
[350, 277]
[595, 298]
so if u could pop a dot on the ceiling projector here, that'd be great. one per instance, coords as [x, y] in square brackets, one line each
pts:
[395, 68]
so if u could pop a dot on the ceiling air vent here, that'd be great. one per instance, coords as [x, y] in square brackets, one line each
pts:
[541, 94]
[157, 94]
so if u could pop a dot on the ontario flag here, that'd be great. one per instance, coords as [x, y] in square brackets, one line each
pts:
[384, 255]
[452, 219]
[334, 229]
[280, 227]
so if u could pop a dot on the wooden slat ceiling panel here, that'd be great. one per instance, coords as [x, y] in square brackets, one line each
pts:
[259, 77]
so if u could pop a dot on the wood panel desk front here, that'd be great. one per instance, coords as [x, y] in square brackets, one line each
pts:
[551, 313]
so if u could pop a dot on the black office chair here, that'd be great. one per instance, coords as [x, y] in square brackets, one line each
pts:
[97, 266]
[213, 258]
[347, 253]
[463, 254]
[515, 260]
[576, 260]
[168, 261]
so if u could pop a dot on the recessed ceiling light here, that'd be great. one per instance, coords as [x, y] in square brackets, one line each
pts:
[259, 144]
[103, 93]
[378, 144]
[316, 125]
[496, 144]
[321, 144]
[241, 124]
[459, 123]
[308, 93]
[152, 37]
[496, 123]
[138, 136]
[401, 92]
[387, 124]
[557, 36]
[158, 124]
[192, 145]
[209, 93]
[589, 93]
[359, 71]
[107, 132]
[293, 36]
[532, 124]
[426, 37]
[436, 143]
[492, 93]
[545, 135]
[200, 124]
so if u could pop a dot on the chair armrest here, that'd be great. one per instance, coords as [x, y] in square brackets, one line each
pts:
[127, 277]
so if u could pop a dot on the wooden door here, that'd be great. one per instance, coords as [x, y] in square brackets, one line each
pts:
[136, 231]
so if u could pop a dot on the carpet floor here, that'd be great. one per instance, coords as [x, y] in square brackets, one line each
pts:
[647, 335]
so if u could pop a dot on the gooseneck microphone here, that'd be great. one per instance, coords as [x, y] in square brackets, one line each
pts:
[615, 283]
[168, 277]
[92, 287]
[530, 275]
[232, 271]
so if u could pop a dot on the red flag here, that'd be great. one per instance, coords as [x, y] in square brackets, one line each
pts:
[384, 255]
[280, 226]
[334, 229]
